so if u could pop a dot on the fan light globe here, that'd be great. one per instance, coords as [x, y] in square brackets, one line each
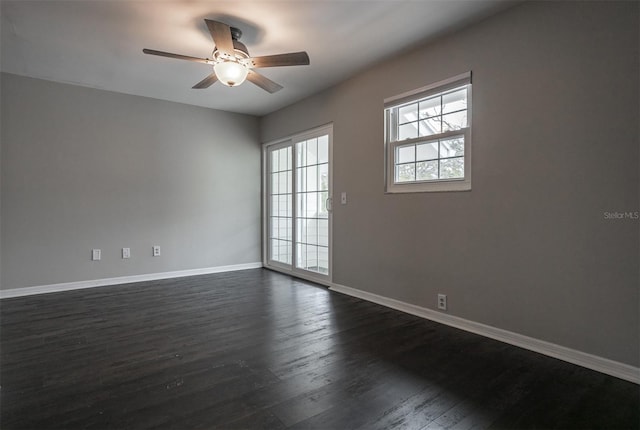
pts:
[230, 73]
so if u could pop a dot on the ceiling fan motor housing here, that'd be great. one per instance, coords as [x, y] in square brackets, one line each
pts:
[236, 33]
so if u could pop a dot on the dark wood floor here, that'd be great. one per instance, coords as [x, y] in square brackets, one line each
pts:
[257, 349]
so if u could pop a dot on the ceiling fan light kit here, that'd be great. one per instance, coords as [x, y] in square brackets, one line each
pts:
[230, 73]
[231, 62]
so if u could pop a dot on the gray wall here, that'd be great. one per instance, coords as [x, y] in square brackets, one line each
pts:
[84, 168]
[555, 145]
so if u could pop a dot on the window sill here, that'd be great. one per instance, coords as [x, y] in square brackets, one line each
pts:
[429, 187]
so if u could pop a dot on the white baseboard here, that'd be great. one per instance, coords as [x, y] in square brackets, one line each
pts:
[66, 286]
[599, 364]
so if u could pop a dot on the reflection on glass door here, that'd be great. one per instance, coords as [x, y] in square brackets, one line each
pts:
[298, 212]
[312, 193]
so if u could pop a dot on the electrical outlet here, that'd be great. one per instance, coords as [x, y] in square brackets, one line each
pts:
[156, 251]
[343, 198]
[96, 254]
[126, 252]
[442, 302]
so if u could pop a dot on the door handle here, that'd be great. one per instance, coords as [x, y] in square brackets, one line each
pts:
[329, 204]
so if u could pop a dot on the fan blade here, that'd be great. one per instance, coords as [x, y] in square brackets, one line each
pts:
[221, 35]
[263, 82]
[291, 59]
[177, 56]
[206, 82]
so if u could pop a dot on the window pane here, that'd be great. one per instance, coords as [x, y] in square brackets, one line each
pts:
[323, 260]
[285, 232]
[322, 204]
[408, 131]
[283, 159]
[454, 101]
[323, 232]
[323, 177]
[312, 205]
[427, 170]
[274, 183]
[288, 232]
[285, 252]
[430, 126]
[312, 258]
[282, 182]
[289, 158]
[406, 154]
[452, 168]
[427, 151]
[275, 227]
[454, 121]
[275, 247]
[452, 147]
[323, 149]
[282, 205]
[430, 107]
[274, 205]
[405, 172]
[274, 161]
[289, 206]
[408, 113]
[312, 179]
[312, 231]
[312, 151]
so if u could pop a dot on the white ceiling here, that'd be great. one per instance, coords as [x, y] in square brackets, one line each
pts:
[99, 44]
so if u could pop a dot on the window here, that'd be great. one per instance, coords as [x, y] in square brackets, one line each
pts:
[428, 139]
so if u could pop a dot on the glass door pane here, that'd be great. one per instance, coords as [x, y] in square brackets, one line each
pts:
[280, 201]
[312, 216]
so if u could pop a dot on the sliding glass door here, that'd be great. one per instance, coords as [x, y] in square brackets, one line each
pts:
[298, 197]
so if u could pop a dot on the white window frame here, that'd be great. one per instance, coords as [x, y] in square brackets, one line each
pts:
[392, 104]
[291, 269]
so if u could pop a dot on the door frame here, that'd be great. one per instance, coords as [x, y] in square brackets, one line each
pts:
[282, 142]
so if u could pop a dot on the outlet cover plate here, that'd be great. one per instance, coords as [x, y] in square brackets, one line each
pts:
[442, 302]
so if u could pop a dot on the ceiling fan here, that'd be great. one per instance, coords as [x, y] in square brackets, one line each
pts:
[231, 61]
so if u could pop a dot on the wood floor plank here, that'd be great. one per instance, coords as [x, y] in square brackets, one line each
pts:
[258, 349]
